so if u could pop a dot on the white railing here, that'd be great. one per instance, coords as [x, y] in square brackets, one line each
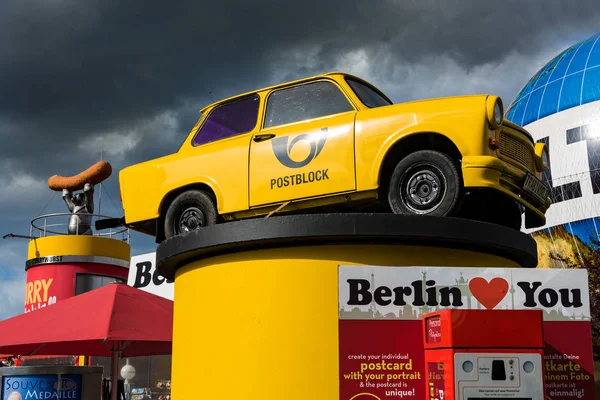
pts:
[58, 224]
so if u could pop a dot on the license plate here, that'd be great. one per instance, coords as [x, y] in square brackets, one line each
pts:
[536, 188]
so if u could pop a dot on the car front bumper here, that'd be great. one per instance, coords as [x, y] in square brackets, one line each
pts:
[492, 173]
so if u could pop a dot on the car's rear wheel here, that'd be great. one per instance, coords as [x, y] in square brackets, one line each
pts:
[425, 182]
[189, 211]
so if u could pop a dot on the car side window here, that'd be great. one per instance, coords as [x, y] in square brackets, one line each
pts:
[368, 95]
[305, 101]
[227, 120]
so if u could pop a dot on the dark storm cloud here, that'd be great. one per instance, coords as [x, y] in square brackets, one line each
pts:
[107, 61]
[73, 69]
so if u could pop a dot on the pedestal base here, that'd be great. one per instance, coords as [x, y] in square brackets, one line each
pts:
[256, 301]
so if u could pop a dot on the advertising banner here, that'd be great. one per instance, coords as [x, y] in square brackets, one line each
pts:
[41, 387]
[380, 331]
[47, 284]
[573, 177]
[143, 275]
[572, 245]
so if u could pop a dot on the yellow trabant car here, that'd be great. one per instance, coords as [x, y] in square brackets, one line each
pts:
[335, 143]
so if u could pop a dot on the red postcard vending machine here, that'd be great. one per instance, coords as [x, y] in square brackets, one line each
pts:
[484, 354]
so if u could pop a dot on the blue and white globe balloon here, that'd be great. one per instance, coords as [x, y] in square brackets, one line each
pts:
[560, 105]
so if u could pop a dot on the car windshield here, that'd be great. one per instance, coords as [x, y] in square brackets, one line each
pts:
[370, 96]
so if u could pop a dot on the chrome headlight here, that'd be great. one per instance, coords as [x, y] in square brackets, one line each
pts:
[495, 111]
[542, 157]
[546, 158]
[498, 113]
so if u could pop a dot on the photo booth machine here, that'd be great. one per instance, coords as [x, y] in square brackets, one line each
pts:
[484, 354]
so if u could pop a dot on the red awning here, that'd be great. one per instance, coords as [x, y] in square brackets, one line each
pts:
[115, 317]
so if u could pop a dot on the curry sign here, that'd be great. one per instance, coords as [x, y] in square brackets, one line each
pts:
[37, 291]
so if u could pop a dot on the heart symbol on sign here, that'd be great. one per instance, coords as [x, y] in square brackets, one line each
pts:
[489, 294]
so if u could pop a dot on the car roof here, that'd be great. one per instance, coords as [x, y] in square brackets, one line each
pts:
[283, 84]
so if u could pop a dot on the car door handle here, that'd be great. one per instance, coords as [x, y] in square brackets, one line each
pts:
[260, 138]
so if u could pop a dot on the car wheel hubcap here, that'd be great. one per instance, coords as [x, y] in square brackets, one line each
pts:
[423, 188]
[191, 218]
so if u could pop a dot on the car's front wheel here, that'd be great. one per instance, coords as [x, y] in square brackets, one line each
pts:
[425, 182]
[189, 211]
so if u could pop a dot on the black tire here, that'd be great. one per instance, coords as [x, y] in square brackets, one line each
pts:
[436, 184]
[190, 210]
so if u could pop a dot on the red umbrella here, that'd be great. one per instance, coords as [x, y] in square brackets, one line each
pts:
[114, 320]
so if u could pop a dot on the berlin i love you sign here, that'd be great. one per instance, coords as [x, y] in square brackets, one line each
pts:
[406, 293]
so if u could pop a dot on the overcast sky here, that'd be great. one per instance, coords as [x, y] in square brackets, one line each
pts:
[126, 78]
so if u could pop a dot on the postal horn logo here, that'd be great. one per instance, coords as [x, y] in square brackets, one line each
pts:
[282, 148]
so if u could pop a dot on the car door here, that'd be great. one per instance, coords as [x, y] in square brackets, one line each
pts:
[218, 155]
[306, 145]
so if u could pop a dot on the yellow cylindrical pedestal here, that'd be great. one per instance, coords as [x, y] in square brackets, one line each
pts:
[256, 302]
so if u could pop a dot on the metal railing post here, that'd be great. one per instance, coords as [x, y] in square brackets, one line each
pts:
[45, 229]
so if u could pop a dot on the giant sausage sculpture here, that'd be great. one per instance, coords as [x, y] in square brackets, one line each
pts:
[94, 175]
